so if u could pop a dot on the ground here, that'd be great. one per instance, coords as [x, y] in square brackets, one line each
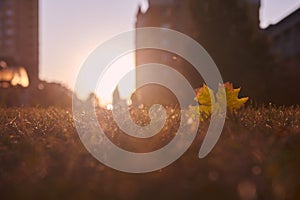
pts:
[257, 157]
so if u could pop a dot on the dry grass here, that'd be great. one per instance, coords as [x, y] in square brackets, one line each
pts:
[41, 157]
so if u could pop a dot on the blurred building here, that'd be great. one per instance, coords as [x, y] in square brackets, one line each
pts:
[171, 14]
[253, 7]
[176, 15]
[19, 35]
[285, 36]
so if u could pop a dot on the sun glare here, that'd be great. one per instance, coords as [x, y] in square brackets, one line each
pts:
[117, 74]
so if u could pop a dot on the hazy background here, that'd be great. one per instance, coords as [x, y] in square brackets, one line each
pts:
[70, 30]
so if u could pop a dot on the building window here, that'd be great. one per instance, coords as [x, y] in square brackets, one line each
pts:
[9, 12]
[9, 32]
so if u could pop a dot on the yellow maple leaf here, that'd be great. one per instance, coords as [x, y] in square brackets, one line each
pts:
[232, 97]
[203, 95]
[206, 99]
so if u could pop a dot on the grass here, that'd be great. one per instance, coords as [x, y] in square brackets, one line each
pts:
[257, 157]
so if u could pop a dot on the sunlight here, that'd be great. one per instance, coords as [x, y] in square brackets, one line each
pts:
[109, 107]
[14, 75]
[116, 75]
[144, 5]
[20, 78]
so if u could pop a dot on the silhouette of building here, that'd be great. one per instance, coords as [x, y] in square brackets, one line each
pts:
[253, 7]
[117, 100]
[285, 36]
[19, 35]
[176, 15]
[171, 14]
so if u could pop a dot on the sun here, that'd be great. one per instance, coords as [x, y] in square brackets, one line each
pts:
[120, 73]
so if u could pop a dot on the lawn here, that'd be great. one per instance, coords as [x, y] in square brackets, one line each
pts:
[257, 157]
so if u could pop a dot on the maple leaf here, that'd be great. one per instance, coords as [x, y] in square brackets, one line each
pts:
[203, 95]
[232, 97]
[207, 100]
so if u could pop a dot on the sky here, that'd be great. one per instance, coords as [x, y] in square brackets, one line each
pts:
[71, 29]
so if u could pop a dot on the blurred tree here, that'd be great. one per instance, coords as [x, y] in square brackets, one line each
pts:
[45, 95]
[240, 51]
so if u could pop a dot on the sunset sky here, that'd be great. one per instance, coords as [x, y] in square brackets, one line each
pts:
[70, 30]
